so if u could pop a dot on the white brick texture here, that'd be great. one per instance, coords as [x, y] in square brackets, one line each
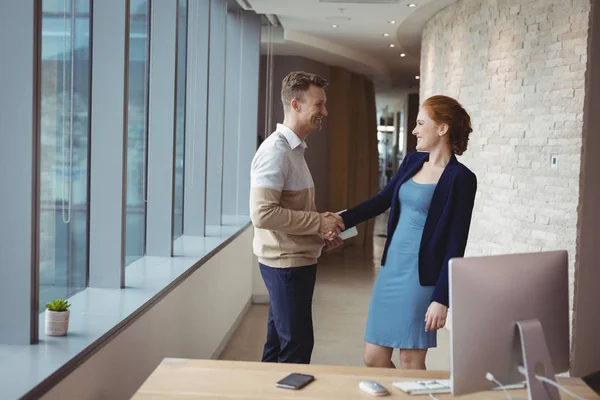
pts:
[518, 67]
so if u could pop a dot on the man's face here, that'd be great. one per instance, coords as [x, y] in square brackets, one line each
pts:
[312, 108]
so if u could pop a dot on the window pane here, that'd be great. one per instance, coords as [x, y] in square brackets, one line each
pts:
[180, 117]
[137, 130]
[233, 85]
[65, 96]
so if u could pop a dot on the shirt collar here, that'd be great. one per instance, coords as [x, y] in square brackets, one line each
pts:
[291, 137]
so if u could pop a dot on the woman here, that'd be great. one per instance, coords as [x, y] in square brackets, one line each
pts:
[431, 199]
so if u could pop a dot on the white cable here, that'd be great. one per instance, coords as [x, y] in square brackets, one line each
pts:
[491, 378]
[551, 382]
[432, 396]
[523, 371]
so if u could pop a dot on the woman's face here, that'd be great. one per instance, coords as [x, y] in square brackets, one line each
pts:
[429, 134]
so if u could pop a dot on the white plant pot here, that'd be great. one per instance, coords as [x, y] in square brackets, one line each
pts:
[57, 323]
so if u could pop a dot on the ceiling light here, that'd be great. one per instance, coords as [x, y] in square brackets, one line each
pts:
[402, 55]
[417, 77]
[386, 34]
[391, 22]
[392, 45]
[411, 5]
[334, 26]
[338, 18]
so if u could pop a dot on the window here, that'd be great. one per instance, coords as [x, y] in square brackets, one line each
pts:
[85, 71]
[233, 95]
[64, 158]
[137, 128]
[180, 117]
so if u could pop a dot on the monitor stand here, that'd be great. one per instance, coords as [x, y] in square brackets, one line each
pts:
[535, 354]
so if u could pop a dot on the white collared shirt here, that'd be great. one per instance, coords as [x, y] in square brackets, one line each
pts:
[291, 137]
[279, 162]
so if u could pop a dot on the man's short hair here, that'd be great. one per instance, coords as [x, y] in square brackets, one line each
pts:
[296, 83]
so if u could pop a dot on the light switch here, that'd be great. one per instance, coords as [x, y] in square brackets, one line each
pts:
[554, 162]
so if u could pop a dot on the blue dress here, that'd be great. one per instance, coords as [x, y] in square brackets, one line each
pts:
[399, 302]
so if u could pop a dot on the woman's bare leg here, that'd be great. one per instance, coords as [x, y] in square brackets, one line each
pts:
[413, 358]
[378, 356]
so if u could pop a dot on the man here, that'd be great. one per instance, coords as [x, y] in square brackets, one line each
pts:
[289, 233]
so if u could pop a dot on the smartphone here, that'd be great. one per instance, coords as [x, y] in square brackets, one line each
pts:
[348, 233]
[295, 381]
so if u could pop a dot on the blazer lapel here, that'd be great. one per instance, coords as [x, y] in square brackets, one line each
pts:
[438, 201]
[413, 168]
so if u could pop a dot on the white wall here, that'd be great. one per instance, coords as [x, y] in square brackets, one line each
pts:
[586, 321]
[195, 320]
[519, 70]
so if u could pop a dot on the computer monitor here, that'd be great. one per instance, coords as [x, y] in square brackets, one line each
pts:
[507, 311]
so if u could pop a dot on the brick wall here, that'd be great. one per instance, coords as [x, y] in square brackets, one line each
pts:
[518, 67]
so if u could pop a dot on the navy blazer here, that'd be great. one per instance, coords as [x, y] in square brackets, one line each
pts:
[447, 224]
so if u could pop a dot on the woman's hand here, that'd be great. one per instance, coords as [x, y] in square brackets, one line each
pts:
[435, 317]
[331, 244]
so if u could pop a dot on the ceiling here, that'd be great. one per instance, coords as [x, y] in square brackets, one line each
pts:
[357, 43]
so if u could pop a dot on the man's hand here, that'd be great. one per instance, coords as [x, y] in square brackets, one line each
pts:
[435, 317]
[331, 225]
[331, 244]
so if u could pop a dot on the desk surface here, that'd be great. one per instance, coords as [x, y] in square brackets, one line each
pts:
[179, 379]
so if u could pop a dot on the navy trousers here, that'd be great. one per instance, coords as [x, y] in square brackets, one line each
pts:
[290, 336]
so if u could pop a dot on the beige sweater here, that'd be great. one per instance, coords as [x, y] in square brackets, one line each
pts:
[282, 203]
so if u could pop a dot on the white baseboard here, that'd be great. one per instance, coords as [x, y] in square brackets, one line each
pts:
[231, 331]
[260, 299]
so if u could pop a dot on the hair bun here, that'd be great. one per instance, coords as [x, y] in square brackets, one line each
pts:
[467, 122]
[446, 110]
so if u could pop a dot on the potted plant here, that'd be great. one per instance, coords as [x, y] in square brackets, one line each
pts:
[57, 317]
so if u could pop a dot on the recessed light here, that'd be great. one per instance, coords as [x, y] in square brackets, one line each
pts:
[417, 77]
[402, 55]
[392, 45]
[391, 22]
[411, 5]
[334, 26]
[338, 18]
[386, 34]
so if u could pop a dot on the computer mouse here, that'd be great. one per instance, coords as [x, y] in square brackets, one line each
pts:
[373, 388]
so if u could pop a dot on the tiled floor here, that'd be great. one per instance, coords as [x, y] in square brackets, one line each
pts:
[340, 305]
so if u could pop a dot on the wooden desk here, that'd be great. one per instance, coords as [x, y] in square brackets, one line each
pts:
[179, 379]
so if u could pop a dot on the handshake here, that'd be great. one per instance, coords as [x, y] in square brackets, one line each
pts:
[331, 226]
